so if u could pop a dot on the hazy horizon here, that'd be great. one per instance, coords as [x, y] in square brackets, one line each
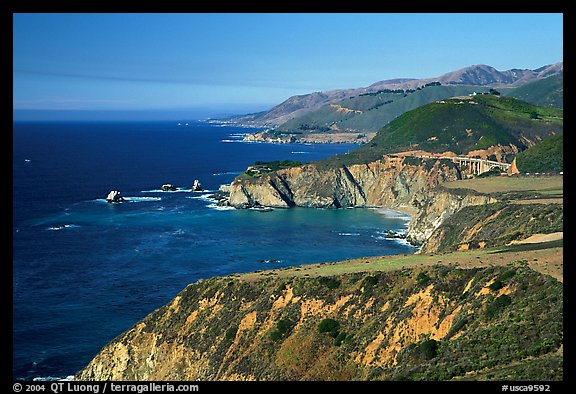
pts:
[100, 64]
[20, 115]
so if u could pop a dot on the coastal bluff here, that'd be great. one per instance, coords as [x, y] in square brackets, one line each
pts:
[421, 323]
[473, 305]
[406, 184]
[392, 182]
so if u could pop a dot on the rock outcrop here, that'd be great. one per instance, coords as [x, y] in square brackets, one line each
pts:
[438, 205]
[114, 196]
[168, 187]
[196, 186]
[393, 182]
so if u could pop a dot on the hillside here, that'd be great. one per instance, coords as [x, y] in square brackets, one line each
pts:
[494, 224]
[433, 322]
[460, 125]
[488, 307]
[370, 111]
[545, 156]
[476, 75]
[547, 92]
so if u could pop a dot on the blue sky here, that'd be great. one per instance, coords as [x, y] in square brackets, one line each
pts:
[206, 64]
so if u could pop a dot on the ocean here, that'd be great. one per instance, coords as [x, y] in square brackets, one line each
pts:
[84, 270]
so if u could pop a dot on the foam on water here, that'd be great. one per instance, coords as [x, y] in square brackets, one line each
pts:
[178, 190]
[142, 199]
[227, 173]
[390, 213]
[219, 207]
[68, 378]
[62, 227]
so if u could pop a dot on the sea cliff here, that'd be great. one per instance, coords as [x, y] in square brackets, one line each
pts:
[433, 323]
[392, 182]
[491, 314]
[403, 183]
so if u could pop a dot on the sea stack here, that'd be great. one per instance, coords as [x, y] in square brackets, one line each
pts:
[196, 187]
[168, 187]
[114, 196]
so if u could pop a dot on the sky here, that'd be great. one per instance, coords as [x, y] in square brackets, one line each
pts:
[148, 66]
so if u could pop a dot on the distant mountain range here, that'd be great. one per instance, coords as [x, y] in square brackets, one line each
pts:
[467, 79]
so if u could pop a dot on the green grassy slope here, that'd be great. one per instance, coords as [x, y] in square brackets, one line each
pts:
[370, 112]
[459, 126]
[546, 156]
[547, 92]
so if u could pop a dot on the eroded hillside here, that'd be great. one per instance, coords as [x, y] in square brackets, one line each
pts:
[422, 323]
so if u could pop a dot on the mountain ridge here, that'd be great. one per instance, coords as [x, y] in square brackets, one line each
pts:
[477, 75]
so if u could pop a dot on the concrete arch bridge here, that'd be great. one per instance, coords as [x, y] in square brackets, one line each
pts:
[475, 165]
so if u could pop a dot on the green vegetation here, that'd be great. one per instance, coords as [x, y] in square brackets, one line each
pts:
[457, 326]
[549, 186]
[458, 125]
[329, 326]
[372, 111]
[546, 156]
[547, 92]
[497, 305]
[428, 349]
[231, 332]
[496, 285]
[423, 279]
[262, 167]
[396, 333]
[329, 282]
[283, 327]
[497, 224]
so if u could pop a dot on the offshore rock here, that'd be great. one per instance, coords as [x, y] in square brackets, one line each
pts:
[114, 196]
[196, 187]
[168, 187]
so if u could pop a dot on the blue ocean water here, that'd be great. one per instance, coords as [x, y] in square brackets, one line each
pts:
[84, 270]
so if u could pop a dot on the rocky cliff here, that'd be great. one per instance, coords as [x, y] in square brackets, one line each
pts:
[484, 225]
[432, 323]
[404, 183]
[436, 207]
[393, 182]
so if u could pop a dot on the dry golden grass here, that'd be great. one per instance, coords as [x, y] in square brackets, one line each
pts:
[550, 185]
[547, 258]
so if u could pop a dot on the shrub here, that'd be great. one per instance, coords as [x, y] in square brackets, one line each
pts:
[342, 337]
[330, 283]
[370, 281]
[283, 327]
[496, 306]
[423, 279]
[457, 326]
[231, 332]
[275, 335]
[329, 326]
[496, 285]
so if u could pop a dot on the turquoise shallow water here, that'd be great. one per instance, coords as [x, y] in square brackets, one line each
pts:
[85, 270]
